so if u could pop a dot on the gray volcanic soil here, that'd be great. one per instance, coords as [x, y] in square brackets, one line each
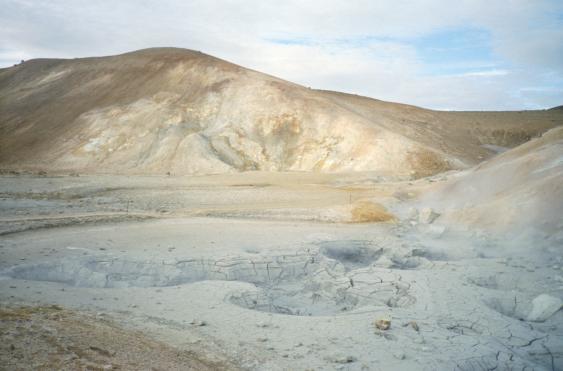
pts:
[269, 271]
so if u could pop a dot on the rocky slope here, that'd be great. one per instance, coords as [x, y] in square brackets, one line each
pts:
[518, 193]
[174, 110]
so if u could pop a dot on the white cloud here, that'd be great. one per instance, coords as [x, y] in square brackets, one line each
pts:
[494, 72]
[361, 46]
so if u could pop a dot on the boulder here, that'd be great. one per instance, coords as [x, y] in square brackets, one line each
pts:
[543, 307]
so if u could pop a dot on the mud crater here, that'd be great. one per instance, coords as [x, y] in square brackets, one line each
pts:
[351, 254]
[334, 278]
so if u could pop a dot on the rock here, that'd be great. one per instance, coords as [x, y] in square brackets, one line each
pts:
[103, 352]
[196, 322]
[543, 307]
[384, 262]
[427, 216]
[382, 323]
[400, 355]
[418, 252]
[344, 359]
[414, 326]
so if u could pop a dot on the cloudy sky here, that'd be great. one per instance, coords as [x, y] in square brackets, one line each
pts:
[442, 54]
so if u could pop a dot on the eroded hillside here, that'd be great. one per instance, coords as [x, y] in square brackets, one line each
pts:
[174, 110]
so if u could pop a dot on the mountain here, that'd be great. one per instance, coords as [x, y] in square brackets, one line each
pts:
[164, 110]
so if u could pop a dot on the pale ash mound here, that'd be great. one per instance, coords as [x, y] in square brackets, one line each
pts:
[519, 192]
[173, 110]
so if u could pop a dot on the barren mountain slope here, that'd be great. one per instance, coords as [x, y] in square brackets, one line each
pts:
[174, 110]
[519, 192]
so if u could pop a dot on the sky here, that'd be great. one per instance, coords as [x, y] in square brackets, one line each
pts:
[439, 54]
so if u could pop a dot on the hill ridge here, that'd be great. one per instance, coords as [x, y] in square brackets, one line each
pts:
[160, 110]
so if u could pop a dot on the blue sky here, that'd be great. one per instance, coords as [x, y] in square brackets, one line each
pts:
[463, 55]
[457, 50]
[443, 52]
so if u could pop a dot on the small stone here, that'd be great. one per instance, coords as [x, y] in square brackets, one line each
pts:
[427, 216]
[344, 359]
[104, 352]
[382, 323]
[400, 355]
[419, 252]
[384, 262]
[262, 340]
[196, 322]
[414, 325]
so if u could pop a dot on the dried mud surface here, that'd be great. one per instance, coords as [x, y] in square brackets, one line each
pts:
[284, 271]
